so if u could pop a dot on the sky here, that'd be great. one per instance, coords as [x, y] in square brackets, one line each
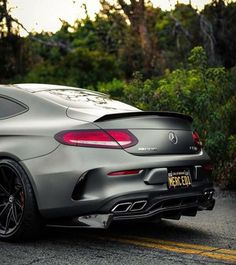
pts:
[45, 15]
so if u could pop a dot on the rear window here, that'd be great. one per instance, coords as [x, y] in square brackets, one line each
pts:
[9, 108]
[82, 98]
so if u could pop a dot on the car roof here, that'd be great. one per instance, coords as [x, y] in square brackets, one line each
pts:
[72, 97]
[36, 87]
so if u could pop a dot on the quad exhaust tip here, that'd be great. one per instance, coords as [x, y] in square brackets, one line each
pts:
[129, 207]
[122, 207]
[138, 206]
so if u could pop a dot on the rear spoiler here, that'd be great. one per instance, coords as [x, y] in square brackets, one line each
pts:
[144, 113]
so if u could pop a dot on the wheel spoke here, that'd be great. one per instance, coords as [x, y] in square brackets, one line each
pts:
[3, 204]
[14, 213]
[18, 204]
[8, 220]
[4, 209]
[5, 192]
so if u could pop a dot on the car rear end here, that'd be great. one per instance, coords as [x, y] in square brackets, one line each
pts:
[116, 163]
[139, 165]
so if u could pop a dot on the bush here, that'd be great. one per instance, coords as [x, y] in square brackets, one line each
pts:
[82, 68]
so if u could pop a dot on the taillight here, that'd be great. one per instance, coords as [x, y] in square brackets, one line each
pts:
[123, 137]
[97, 138]
[196, 139]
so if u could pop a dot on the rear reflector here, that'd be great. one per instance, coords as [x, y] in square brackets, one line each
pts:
[97, 138]
[125, 172]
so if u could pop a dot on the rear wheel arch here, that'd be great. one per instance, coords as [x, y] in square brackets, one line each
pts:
[16, 159]
[9, 156]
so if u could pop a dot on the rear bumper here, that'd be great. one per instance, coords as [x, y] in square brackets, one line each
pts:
[172, 207]
[166, 208]
[67, 184]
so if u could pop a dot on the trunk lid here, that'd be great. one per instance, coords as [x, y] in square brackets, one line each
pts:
[157, 132]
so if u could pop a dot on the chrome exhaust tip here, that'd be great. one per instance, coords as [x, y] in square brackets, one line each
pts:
[122, 207]
[138, 206]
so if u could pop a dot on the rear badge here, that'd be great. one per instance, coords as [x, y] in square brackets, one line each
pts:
[193, 148]
[148, 149]
[173, 138]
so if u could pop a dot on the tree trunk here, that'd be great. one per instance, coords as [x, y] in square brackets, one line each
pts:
[4, 15]
[136, 11]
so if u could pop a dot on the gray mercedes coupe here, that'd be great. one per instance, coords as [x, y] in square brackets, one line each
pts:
[75, 157]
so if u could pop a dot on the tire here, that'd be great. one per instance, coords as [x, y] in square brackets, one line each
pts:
[19, 216]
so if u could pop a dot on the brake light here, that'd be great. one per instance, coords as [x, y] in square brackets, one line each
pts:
[125, 172]
[196, 139]
[97, 138]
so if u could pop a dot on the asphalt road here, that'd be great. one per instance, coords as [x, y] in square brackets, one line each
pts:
[209, 238]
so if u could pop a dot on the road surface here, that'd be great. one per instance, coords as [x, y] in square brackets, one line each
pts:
[209, 238]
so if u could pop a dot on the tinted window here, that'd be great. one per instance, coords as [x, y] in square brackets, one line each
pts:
[82, 98]
[10, 108]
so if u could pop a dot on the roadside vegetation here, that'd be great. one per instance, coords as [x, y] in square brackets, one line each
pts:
[181, 60]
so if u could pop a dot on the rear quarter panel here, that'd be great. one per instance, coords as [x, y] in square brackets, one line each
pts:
[31, 134]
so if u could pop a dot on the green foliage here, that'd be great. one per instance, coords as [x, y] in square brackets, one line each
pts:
[139, 92]
[198, 58]
[81, 68]
[115, 88]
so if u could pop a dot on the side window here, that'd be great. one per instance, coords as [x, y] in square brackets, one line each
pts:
[10, 108]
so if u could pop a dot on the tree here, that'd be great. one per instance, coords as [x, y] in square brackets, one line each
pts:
[8, 24]
[11, 45]
[5, 19]
[136, 11]
[221, 17]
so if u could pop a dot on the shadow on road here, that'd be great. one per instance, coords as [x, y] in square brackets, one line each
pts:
[164, 230]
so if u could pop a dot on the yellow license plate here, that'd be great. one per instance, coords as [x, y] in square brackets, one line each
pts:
[179, 179]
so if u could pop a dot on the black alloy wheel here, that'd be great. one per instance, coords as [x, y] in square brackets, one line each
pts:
[19, 217]
[11, 200]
